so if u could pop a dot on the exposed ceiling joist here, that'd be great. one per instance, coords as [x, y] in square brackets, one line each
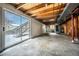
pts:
[20, 5]
[36, 7]
[49, 23]
[51, 6]
[41, 11]
[28, 6]
[50, 12]
[46, 17]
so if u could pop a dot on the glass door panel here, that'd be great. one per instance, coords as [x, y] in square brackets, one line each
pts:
[25, 28]
[17, 28]
[12, 28]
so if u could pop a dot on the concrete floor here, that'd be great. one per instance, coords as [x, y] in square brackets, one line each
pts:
[53, 45]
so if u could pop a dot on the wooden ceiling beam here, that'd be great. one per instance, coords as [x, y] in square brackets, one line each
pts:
[51, 6]
[49, 23]
[20, 5]
[27, 6]
[49, 12]
[37, 7]
[46, 17]
[40, 9]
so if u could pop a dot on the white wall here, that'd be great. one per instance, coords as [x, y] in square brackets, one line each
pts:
[36, 28]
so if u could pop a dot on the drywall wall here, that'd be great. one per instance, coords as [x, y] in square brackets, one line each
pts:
[36, 28]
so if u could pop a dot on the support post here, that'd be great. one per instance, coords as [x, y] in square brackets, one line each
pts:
[66, 28]
[76, 28]
[72, 19]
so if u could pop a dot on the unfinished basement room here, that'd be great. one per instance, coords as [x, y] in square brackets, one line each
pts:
[39, 29]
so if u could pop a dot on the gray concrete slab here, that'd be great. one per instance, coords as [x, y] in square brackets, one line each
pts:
[53, 45]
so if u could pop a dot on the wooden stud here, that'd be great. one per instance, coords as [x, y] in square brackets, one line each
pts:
[76, 27]
[72, 19]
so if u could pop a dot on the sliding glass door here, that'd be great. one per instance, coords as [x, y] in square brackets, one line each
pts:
[16, 28]
[25, 28]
